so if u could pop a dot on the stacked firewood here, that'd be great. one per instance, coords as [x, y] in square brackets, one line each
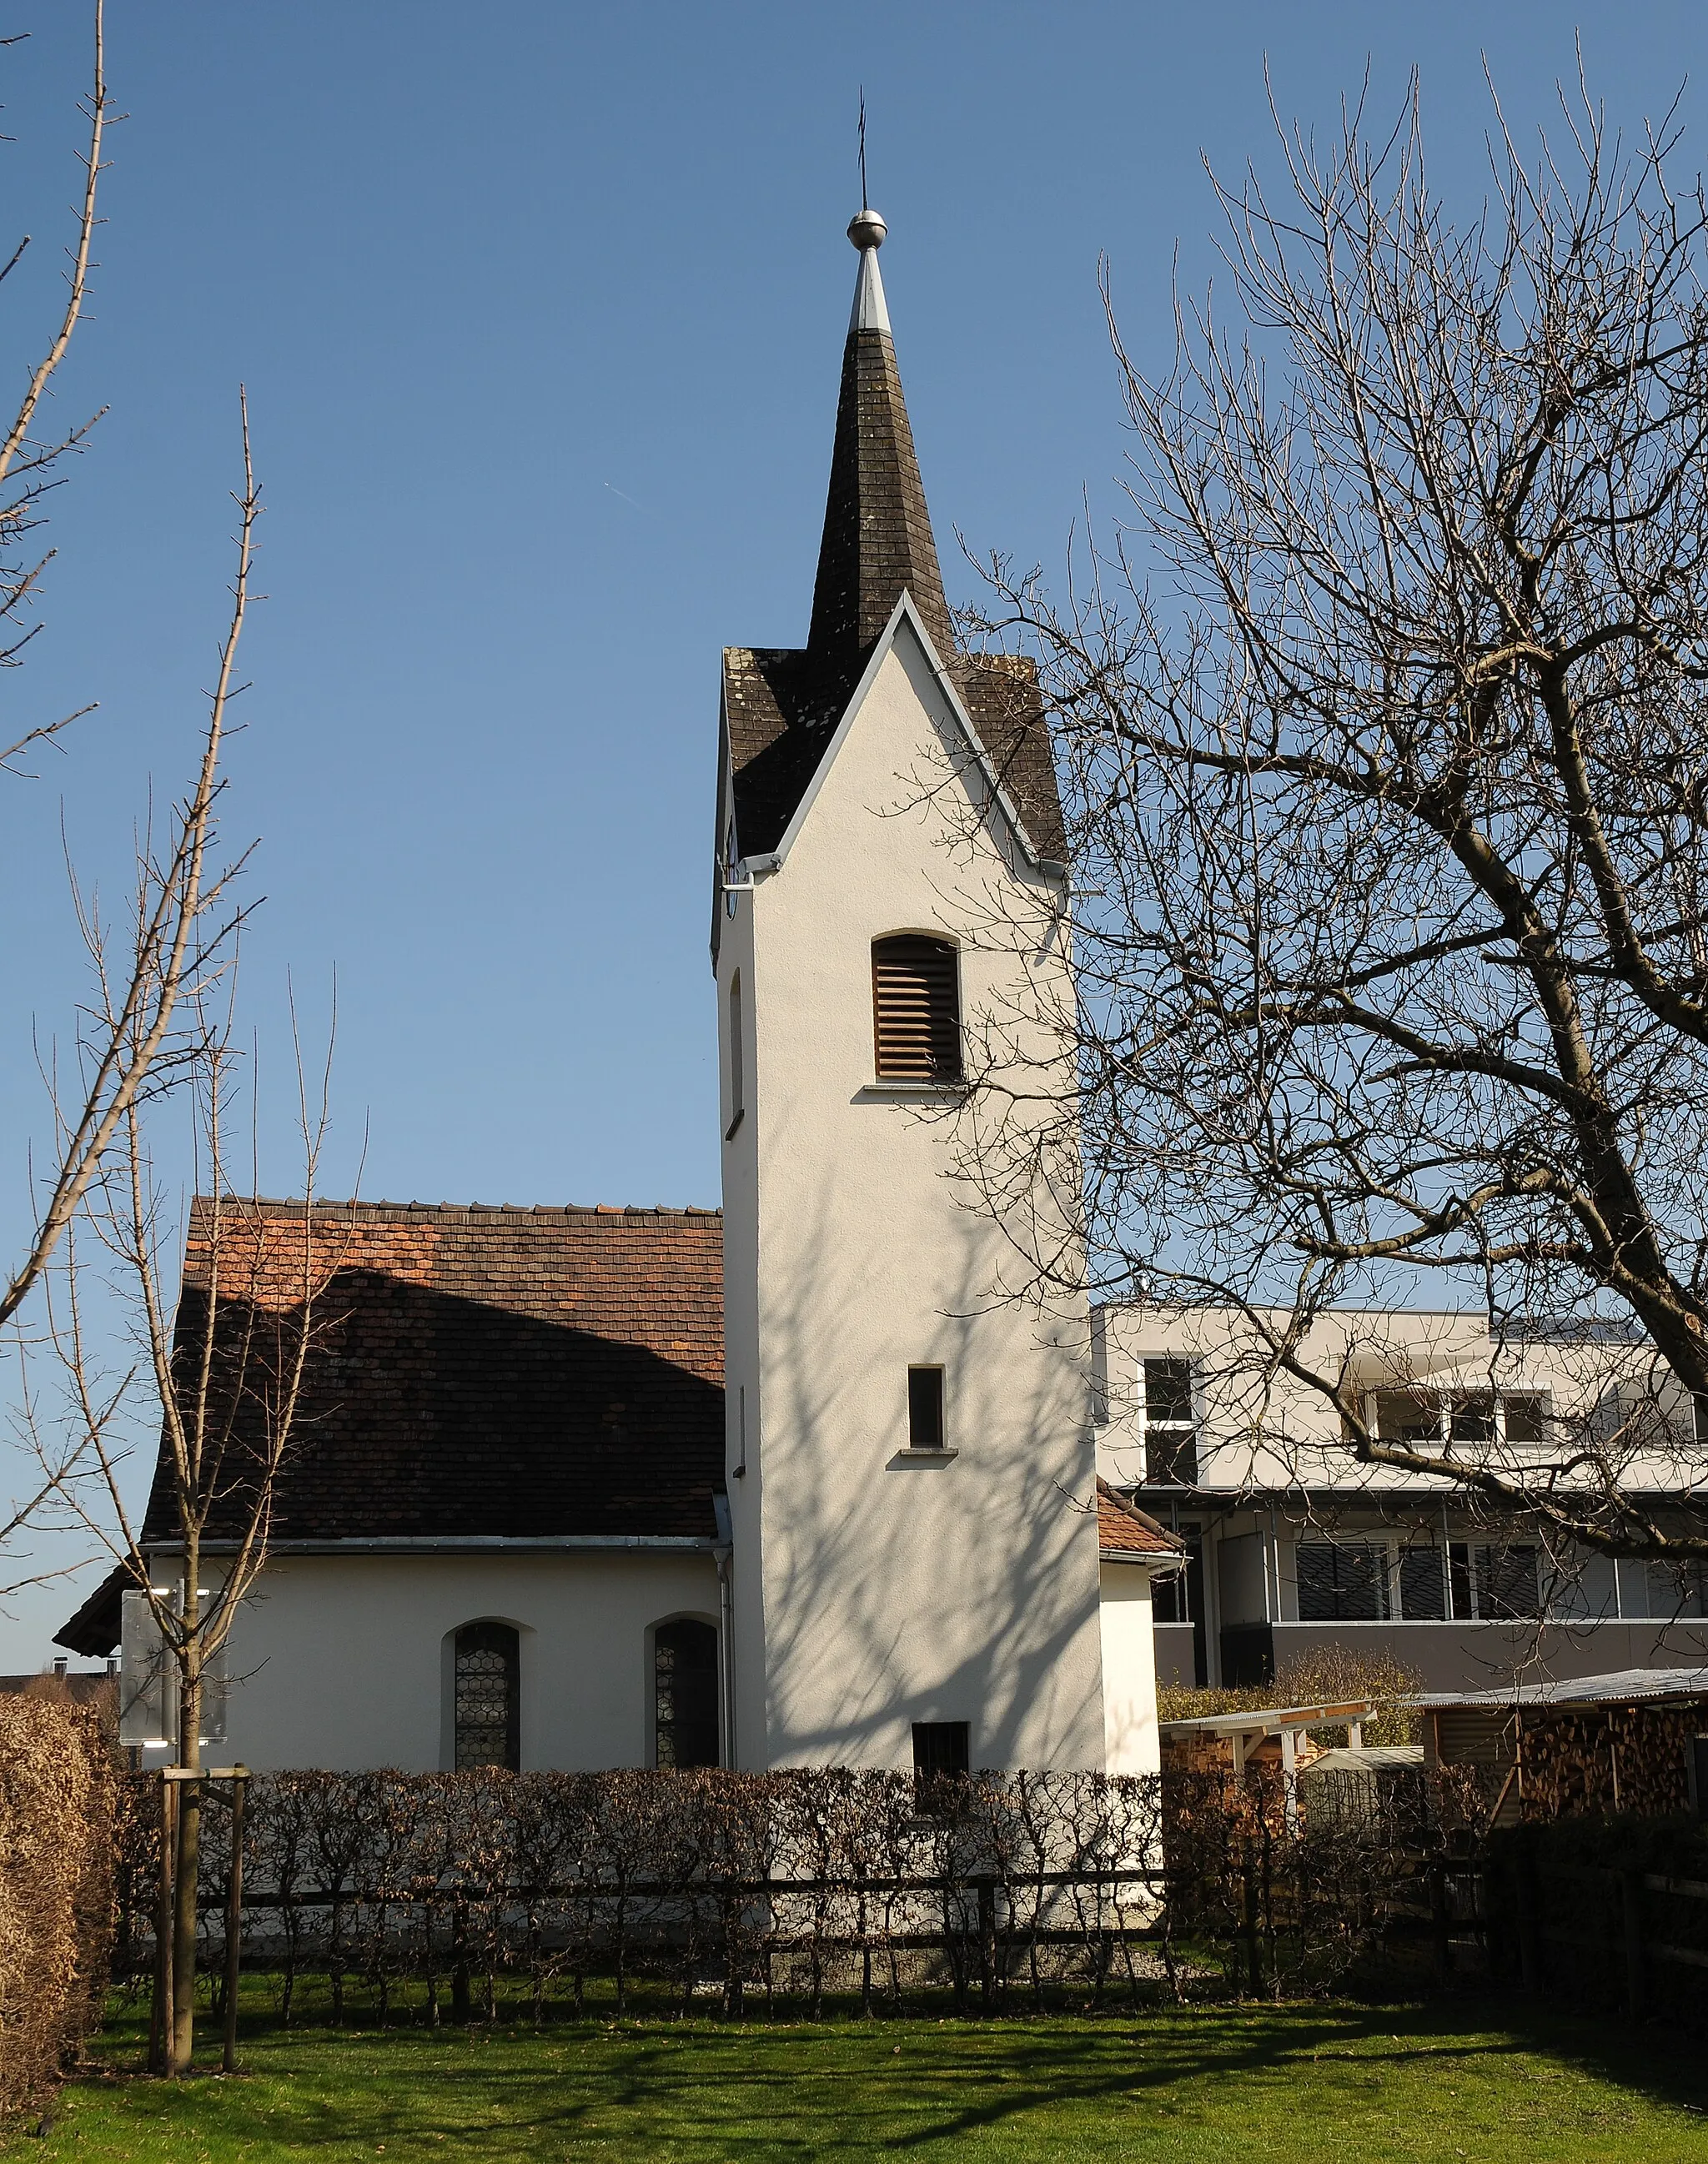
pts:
[1602, 1760]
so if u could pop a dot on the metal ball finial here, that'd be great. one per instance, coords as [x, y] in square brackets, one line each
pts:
[866, 229]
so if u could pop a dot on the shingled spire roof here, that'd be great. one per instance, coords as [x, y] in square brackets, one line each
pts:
[877, 530]
[781, 704]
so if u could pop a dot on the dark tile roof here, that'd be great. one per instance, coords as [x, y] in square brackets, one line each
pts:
[1000, 695]
[877, 530]
[783, 704]
[96, 1628]
[490, 1370]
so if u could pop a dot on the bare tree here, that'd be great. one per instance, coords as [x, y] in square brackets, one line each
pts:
[222, 1363]
[27, 464]
[131, 1038]
[1386, 737]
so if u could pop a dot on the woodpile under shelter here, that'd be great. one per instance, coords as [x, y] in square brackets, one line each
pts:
[1634, 1742]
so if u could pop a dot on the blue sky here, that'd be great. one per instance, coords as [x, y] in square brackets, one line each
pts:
[540, 309]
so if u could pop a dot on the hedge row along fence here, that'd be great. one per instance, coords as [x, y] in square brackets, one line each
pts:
[58, 1793]
[736, 1893]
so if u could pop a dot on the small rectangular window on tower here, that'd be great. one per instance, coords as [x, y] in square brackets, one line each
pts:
[738, 1103]
[925, 1430]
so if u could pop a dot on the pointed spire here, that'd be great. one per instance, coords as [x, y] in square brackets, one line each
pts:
[877, 531]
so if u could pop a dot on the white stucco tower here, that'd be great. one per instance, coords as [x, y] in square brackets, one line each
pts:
[910, 1575]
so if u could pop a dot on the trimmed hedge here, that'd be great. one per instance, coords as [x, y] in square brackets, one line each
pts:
[1015, 1891]
[58, 1793]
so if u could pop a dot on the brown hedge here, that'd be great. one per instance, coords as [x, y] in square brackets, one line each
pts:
[58, 1792]
[1018, 1891]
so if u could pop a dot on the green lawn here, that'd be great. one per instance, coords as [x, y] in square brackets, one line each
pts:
[1339, 2084]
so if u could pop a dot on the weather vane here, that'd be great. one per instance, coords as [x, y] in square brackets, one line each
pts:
[864, 205]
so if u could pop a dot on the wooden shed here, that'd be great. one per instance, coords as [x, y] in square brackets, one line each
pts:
[1283, 1737]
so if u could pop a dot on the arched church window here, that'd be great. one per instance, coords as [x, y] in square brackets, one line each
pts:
[917, 1008]
[488, 1685]
[684, 1685]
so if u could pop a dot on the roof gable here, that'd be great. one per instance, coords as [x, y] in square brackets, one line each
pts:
[785, 713]
[906, 617]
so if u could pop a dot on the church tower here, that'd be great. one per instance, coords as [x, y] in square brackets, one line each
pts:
[911, 1583]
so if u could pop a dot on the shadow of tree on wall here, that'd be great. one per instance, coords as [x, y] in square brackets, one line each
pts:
[962, 1590]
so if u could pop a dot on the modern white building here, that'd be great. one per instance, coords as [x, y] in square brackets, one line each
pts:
[1294, 1545]
[798, 1482]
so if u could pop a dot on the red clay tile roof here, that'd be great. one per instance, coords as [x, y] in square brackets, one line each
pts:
[491, 1370]
[1124, 1530]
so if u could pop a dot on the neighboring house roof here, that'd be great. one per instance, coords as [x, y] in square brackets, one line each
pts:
[1272, 1720]
[98, 1625]
[1366, 1758]
[781, 705]
[489, 1372]
[1126, 1533]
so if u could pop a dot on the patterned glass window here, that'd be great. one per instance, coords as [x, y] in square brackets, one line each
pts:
[685, 1684]
[488, 1692]
[1342, 1581]
[1493, 1582]
[1422, 1585]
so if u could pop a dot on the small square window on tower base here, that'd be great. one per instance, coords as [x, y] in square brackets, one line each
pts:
[941, 1746]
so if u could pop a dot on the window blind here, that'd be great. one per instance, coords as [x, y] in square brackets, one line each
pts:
[917, 1008]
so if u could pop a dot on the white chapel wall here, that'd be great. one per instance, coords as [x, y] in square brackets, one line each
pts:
[1130, 1741]
[339, 1660]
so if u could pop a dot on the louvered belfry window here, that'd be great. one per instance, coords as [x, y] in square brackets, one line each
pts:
[917, 1008]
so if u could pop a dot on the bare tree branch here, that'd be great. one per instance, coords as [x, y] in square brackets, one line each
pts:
[1385, 731]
